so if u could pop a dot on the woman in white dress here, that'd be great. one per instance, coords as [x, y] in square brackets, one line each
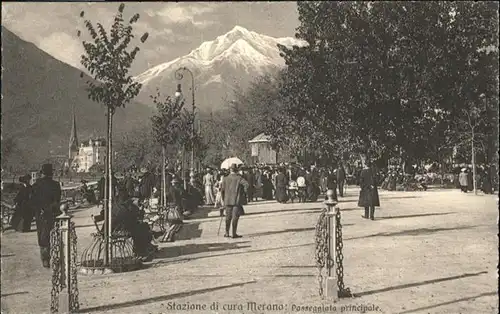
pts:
[219, 202]
[208, 182]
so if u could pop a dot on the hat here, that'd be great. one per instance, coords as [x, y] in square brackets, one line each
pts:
[47, 169]
[463, 169]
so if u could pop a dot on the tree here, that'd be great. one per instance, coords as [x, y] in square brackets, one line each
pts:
[164, 129]
[108, 59]
[373, 71]
[136, 148]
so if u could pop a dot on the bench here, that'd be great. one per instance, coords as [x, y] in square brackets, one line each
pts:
[117, 235]
[7, 213]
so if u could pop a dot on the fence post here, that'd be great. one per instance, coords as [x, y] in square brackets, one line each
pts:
[63, 261]
[331, 291]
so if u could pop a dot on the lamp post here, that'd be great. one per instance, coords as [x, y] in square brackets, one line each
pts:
[179, 76]
[178, 94]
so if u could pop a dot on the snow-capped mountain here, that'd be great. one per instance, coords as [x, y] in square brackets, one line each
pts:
[231, 60]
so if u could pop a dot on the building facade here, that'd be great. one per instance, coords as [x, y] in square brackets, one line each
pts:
[82, 156]
[262, 151]
[90, 153]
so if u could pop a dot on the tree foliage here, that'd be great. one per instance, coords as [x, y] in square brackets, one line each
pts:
[108, 59]
[380, 77]
[165, 122]
[136, 148]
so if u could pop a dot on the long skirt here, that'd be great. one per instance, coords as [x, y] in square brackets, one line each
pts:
[281, 195]
[44, 224]
[219, 202]
[267, 192]
[141, 235]
[209, 195]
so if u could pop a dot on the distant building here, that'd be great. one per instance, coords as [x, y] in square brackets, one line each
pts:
[262, 151]
[89, 153]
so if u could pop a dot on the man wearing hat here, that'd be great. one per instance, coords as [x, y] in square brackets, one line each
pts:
[463, 180]
[234, 188]
[46, 200]
[23, 215]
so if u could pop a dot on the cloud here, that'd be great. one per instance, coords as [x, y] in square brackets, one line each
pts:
[179, 14]
[64, 47]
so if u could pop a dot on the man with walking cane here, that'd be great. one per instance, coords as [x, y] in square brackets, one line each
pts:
[234, 188]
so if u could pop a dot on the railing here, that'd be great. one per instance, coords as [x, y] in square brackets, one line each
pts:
[63, 259]
[329, 246]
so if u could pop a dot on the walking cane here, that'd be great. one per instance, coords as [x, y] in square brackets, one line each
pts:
[220, 224]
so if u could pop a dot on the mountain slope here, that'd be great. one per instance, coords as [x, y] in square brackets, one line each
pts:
[39, 93]
[219, 66]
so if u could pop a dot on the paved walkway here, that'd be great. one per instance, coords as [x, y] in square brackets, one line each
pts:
[427, 252]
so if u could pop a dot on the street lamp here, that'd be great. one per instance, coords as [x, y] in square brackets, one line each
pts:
[179, 76]
[178, 92]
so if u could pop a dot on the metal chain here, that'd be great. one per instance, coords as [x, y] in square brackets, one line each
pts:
[73, 290]
[323, 260]
[339, 258]
[55, 255]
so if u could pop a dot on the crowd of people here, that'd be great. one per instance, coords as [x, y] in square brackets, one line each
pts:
[225, 189]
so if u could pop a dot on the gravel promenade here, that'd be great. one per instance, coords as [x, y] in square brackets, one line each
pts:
[426, 252]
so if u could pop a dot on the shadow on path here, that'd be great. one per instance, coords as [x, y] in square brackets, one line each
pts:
[292, 276]
[189, 249]
[203, 211]
[7, 255]
[413, 232]
[187, 259]
[282, 211]
[14, 293]
[398, 197]
[449, 302]
[190, 230]
[417, 284]
[415, 215]
[259, 234]
[160, 298]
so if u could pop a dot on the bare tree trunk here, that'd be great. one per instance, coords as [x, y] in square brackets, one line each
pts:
[107, 209]
[183, 166]
[473, 165]
[163, 178]
[110, 178]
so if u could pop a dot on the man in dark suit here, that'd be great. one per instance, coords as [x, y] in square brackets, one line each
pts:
[341, 179]
[46, 201]
[234, 187]
[250, 178]
[368, 196]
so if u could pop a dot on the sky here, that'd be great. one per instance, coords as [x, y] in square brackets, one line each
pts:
[174, 28]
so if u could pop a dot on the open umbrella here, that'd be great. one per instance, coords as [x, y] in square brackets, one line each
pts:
[228, 162]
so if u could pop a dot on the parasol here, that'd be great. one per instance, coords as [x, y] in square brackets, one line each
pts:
[228, 162]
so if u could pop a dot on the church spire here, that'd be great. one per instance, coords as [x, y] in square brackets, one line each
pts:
[73, 140]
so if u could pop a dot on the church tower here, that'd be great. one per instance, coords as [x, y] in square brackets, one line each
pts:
[73, 140]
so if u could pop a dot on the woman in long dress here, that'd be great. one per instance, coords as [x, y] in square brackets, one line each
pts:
[208, 182]
[23, 215]
[219, 202]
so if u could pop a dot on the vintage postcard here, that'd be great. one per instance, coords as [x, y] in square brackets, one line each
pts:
[249, 157]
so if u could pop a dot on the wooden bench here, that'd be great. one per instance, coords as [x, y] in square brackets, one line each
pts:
[7, 213]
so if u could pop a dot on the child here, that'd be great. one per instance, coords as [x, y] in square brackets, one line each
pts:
[301, 185]
[218, 197]
[292, 190]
